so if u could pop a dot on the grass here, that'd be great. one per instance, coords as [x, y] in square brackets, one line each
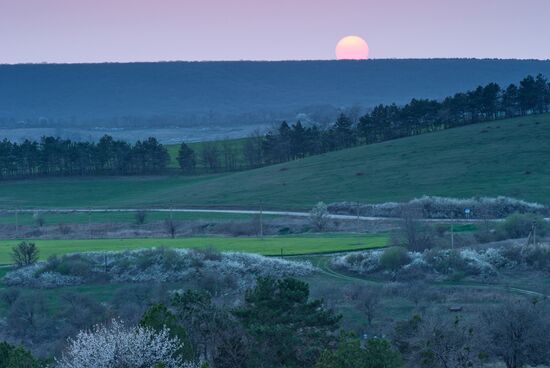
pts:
[288, 245]
[52, 218]
[507, 157]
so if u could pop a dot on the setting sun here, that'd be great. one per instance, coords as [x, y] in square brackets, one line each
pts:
[352, 48]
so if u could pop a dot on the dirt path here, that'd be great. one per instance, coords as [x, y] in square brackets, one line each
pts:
[324, 266]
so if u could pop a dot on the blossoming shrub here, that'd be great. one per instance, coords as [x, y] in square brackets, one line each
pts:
[466, 262]
[441, 207]
[158, 265]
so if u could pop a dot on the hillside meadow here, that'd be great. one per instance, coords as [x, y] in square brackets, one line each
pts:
[507, 157]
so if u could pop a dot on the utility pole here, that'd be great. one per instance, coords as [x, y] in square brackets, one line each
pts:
[261, 221]
[358, 222]
[452, 236]
[16, 223]
[90, 223]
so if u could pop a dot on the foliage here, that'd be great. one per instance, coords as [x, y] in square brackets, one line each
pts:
[215, 334]
[24, 254]
[443, 208]
[186, 159]
[158, 317]
[349, 354]
[517, 333]
[16, 357]
[231, 270]
[53, 156]
[319, 216]
[120, 346]
[286, 328]
[520, 225]
[394, 258]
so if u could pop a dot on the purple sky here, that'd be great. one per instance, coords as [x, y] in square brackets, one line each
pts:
[151, 30]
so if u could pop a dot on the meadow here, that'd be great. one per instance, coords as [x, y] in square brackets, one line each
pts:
[269, 246]
[507, 157]
[52, 218]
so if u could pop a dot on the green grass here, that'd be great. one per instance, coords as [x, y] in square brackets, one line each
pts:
[508, 157]
[51, 218]
[290, 245]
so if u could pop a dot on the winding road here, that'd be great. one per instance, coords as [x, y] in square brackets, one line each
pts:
[226, 211]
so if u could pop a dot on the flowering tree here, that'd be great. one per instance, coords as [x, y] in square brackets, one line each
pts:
[319, 216]
[118, 346]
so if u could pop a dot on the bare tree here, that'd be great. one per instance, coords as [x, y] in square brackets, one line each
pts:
[415, 234]
[517, 333]
[39, 219]
[140, 217]
[252, 149]
[444, 342]
[211, 156]
[229, 156]
[24, 254]
[171, 227]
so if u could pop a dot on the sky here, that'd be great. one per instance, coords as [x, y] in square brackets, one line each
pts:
[72, 31]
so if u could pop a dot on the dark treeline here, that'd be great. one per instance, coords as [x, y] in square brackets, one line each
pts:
[288, 142]
[54, 156]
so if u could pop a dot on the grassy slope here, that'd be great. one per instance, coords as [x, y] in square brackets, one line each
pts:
[498, 158]
[268, 246]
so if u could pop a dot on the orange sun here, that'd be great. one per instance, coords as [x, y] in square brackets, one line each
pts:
[352, 48]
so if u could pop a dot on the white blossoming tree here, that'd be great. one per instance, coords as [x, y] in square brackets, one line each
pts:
[119, 346]
[319, 216]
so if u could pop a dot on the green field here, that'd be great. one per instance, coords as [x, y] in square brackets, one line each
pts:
[289, 245]
[55, 218]
[508, 157]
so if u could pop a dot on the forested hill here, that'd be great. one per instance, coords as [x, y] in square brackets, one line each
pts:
[210, 91]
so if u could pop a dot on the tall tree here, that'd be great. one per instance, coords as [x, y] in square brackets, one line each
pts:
[287, 329]
[186, 159]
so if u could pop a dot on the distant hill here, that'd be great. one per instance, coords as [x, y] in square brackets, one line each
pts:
[230, 92]
[507, 157]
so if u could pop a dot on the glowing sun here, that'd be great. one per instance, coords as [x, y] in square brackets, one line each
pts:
[352, 48]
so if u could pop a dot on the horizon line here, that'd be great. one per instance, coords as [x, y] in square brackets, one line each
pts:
[271, 61]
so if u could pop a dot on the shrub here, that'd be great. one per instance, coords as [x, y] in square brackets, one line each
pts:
[394, 258]
[520, 225]
[64, 229]
[441, 207]
[16, 357]
[159, 265]
[24, 254]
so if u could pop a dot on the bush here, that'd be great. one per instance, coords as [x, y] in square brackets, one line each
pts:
[441, 207]
[394, 258]
[24, 254]
[520, 225]
[159, 265]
